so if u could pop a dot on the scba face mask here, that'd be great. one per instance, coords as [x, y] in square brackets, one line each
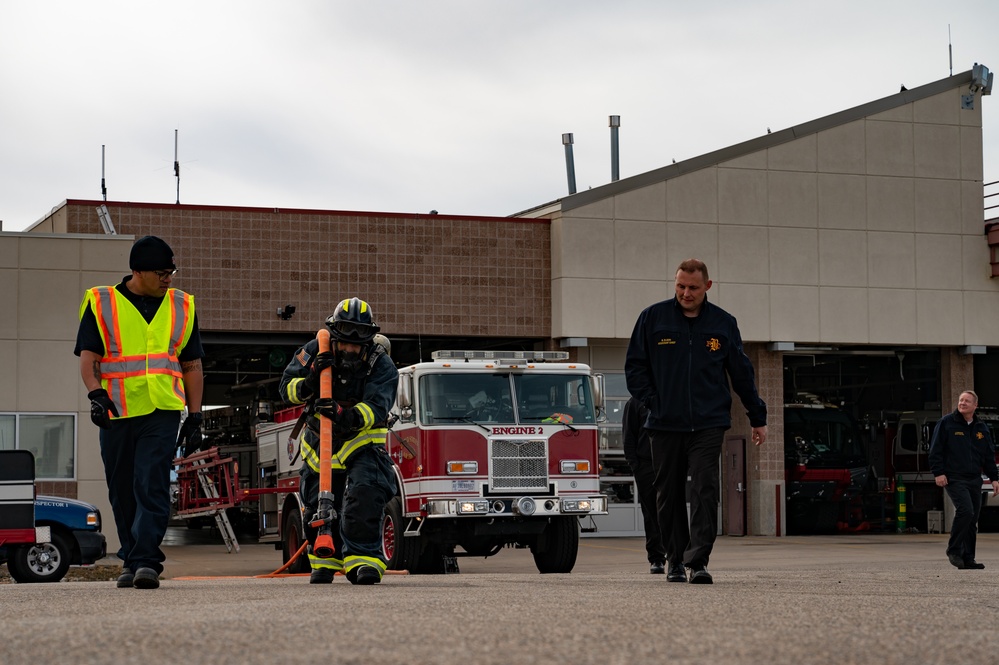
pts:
[350, 361]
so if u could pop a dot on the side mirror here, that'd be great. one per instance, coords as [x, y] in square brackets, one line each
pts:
[404, 398]
[597, 388]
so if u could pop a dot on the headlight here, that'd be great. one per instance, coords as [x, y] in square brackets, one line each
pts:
[94, 520]
[455, 468]
[576, 505]
[575, 466]
[473, 507]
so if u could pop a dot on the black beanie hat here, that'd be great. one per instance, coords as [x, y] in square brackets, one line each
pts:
[150, 253]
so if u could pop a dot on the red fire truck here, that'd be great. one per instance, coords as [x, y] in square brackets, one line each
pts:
[491, 449]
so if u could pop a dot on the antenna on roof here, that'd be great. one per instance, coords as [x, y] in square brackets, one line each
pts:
[950, 50]
[176, 164]
[570, 167]
[104, 189]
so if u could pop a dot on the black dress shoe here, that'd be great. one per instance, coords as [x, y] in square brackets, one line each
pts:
[676, 573]
[125, 579]
[956, 561]
[700, 575]
[657, 568]
[971, 564]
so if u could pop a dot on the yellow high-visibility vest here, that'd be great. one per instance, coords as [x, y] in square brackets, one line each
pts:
[140, 367]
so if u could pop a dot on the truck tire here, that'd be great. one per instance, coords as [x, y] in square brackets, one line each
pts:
[556, 548]
[429, 561]
[41, 562]
[291, 539]
[400, 552]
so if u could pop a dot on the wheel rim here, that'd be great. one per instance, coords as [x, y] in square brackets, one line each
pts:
[388, 537]
[43, 559]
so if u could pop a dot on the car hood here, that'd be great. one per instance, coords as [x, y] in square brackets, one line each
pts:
[63, 502]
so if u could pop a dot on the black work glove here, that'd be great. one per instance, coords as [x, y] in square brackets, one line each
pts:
[321, 362]
[190, 434]
[101, 408]
[348, 424]
[328, 407]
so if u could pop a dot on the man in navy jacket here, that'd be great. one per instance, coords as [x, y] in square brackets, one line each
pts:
[960, 451]
[682, 355]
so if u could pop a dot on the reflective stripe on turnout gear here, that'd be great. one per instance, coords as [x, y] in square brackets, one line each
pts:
[292, 391]
[339, 460]
[352, 562]
[367, 415]
[318, 563]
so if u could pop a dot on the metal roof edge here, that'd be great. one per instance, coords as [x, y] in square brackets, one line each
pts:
[767, 141]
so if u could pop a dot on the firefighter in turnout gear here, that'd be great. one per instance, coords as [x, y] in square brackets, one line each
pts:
[363, 480]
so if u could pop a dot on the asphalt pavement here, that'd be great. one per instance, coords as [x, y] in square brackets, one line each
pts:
[826, 599]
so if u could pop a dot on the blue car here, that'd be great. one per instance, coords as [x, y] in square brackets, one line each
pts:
[76, 540]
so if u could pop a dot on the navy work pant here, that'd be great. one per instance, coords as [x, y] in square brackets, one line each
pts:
[675, 455]
[967, 498]
[645, 477]
[138, 456]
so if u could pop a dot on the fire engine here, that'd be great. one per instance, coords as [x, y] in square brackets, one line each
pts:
[825, 466]
[493, 449]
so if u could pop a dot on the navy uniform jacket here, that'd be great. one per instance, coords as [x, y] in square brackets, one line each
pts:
[962, 451]
[680, 367]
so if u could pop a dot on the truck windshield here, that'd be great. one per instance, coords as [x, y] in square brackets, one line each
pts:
[822, 438]
[561, 398]
[456, 398]
[460, 397]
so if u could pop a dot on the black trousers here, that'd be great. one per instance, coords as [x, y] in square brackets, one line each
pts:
[645, 477]
[967, 498]
[138, 457]
[675, 455]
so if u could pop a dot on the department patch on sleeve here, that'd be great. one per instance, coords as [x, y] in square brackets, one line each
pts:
[303, 357]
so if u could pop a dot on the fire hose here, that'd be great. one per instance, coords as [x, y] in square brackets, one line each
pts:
[326, 513]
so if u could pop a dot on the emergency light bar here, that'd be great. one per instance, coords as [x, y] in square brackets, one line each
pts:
[526, 356]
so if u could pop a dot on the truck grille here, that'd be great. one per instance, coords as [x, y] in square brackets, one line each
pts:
[518, 464]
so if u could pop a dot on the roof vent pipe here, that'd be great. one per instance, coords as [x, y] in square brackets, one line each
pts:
[615, 123]
[570, 168]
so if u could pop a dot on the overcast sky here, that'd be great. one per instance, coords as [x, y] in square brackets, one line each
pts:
[458, 106]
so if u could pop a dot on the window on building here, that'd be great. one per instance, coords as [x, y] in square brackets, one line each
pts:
[8, 424]
[50, 437]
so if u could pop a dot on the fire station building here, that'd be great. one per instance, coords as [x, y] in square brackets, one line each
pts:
[851, 249]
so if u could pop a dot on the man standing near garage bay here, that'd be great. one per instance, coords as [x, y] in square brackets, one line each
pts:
[961, 450]
[682, 355]
[140, 359]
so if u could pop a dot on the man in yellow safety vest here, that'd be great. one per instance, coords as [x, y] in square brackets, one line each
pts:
[140, 358]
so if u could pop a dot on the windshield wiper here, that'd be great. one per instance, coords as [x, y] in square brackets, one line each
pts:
[462, 419]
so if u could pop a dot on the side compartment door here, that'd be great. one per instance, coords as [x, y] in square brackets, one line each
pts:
[734, 465]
